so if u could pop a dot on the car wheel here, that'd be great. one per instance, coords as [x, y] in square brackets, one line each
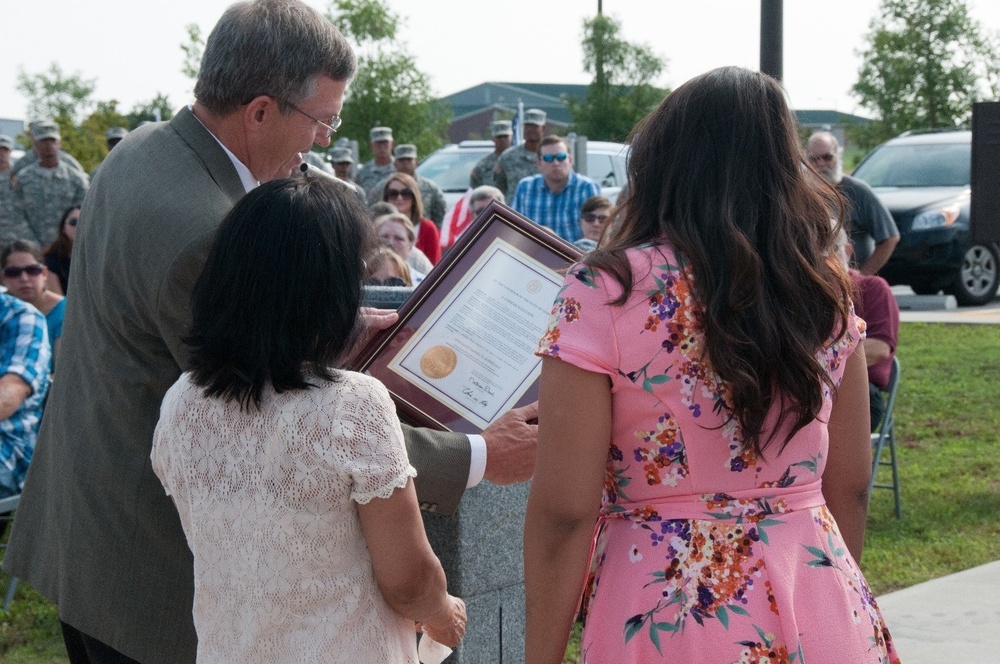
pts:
[977, 280]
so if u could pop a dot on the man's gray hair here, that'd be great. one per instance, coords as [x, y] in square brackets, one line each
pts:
[270, 47]
[486, 191]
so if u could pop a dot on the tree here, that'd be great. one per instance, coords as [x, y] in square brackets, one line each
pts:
[157, 108]
[54, 94]
[622, 92]
[388, 90]
[927, 61]
[193, 49]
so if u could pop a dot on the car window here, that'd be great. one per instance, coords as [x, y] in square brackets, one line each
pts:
[601, 170]
[926, 165]
[451, 169]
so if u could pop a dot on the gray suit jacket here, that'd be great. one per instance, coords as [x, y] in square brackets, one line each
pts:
[95, 532]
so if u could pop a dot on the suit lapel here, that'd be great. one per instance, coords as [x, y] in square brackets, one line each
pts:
[220, 168]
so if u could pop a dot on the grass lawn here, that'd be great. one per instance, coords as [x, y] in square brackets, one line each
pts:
[948, 430]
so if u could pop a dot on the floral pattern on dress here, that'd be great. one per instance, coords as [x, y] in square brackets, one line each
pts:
[665, 461]
[661, 588]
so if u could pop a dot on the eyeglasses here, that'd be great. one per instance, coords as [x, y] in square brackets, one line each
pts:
[559, 156]
[335, 121]
[396, 193]
[13, 272]
[815, 158]
[596, 218]
[73, 222]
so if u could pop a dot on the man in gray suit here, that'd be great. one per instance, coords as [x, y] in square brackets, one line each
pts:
[95, 532]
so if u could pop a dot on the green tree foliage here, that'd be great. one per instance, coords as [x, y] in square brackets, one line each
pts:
[622, 92]
[83, 121]
[157, 108]
[192, 49]
[54, 94]
[388, 90]
[926, 62]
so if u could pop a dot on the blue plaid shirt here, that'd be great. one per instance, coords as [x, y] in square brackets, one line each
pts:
[559, 212]
[24, 352]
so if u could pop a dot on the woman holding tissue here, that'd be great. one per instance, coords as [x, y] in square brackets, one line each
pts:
[290, 475]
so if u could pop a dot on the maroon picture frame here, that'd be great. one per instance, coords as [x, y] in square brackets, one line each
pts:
[497, 221]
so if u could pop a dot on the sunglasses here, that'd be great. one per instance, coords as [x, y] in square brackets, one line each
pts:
[396, 193]
[596, 218]
[73, 222]
[15, 272]
[549, 158]
[821, 157]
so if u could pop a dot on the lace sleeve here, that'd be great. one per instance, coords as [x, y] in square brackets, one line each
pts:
[378, 464]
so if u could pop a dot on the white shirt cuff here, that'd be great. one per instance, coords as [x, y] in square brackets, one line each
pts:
[477, 460]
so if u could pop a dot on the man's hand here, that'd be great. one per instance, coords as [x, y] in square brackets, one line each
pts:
[372, 322]
[511, 444]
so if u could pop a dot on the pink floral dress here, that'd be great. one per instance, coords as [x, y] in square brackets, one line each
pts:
[704, 553]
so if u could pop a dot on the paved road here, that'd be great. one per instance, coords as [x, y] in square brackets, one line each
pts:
[932, 309]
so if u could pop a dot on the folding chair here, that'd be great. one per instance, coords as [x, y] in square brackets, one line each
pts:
[885, 437]
[7, 507]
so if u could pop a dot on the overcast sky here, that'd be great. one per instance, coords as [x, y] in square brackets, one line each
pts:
[133, 48]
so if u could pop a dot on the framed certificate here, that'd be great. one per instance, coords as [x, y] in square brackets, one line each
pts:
[462, 352]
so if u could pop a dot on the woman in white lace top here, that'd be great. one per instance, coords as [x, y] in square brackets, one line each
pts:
[290, 477]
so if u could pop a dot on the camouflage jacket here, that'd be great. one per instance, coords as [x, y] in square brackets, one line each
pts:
[44, 194]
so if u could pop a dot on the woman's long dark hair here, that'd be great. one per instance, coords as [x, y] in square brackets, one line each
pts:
[278, 298]
[717, 171]
[62, 246]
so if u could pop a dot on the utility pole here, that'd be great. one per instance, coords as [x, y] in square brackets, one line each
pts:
[771, 23]
[600, 7]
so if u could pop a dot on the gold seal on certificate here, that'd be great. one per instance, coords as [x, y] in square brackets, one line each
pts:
[438, 362]
[463, 350]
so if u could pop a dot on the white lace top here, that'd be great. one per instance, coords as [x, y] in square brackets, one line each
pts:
[267, 501]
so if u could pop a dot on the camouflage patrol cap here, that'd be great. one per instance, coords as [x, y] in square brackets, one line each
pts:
[44, 129]
[534, 116]
[380, 134]
[6, 142]
[116, 133]
[339, 155]
[405, 151]
[501, 128]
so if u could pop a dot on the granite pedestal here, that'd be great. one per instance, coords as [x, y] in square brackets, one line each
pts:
[481, 550]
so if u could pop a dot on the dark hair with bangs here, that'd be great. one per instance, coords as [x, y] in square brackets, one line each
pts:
[717, 171]
[278, 298]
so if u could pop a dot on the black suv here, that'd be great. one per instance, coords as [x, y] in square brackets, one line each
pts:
[923, 179]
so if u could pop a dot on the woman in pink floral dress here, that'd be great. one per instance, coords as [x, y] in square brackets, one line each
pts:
[704, 397]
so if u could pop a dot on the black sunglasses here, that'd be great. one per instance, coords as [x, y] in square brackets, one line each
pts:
[395, 193]
[15, 272]
[73, 222]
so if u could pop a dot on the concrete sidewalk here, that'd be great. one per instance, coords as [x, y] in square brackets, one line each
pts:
[953, 619]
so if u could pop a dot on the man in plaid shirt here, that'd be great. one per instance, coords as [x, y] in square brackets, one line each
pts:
[24, 380]
[553, 198]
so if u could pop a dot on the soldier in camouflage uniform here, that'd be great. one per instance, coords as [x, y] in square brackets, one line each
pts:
[484, 172]
[375, 170]
[521, 160]
[342, 158]
[31, 157]
[12, 224]
[406, 162]
[45, 190]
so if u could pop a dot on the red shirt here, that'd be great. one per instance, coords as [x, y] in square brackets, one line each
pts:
[876, 304]
[429, 240]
